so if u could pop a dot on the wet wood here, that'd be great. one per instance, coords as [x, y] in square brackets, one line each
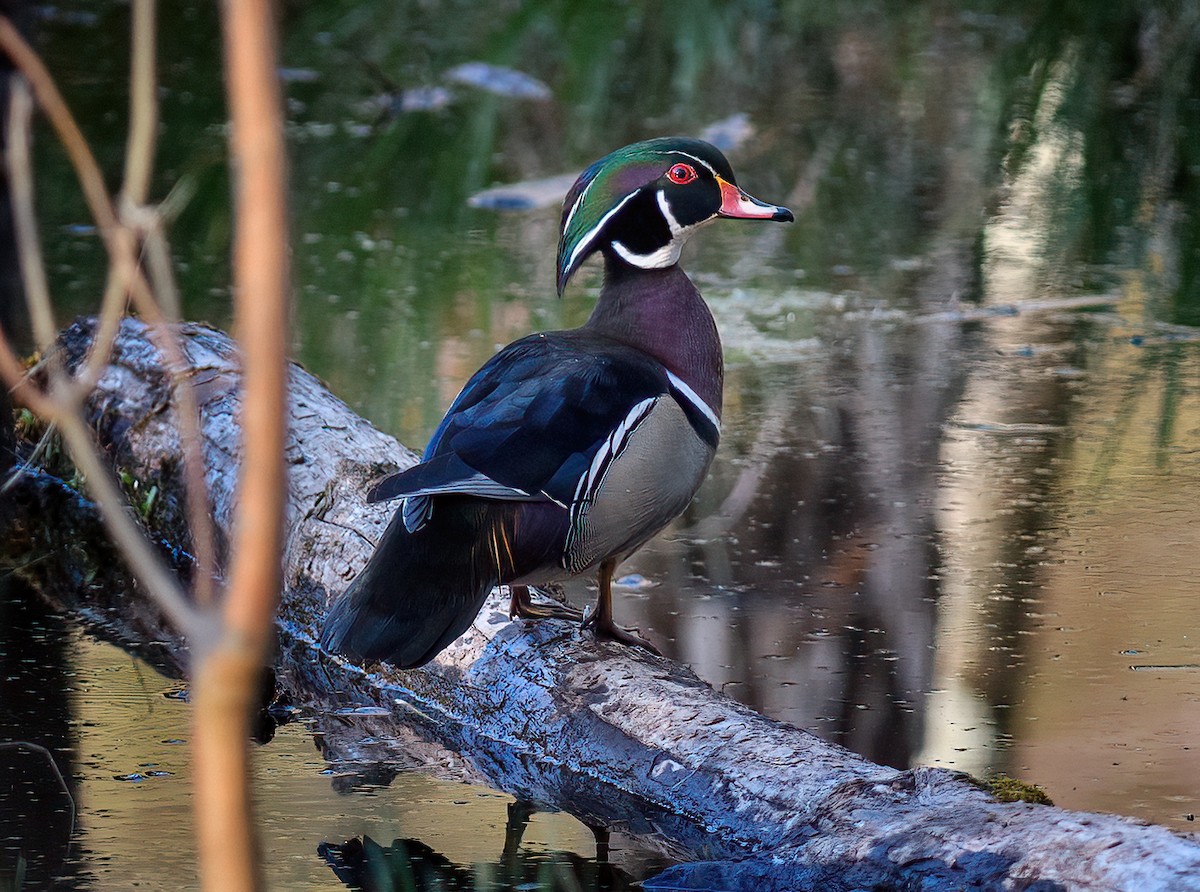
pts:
[614, 735]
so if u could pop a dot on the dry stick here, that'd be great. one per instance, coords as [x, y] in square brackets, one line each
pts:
[25, 231]
[225, 673]
[225, 680]
[196, 503]
[143, 107]
[125, 278]
[117, 240]
[139, 163]
[18, 167]
[127, 533]
[139, 159]
[137, 216]
[91, 181]
[157, 255]
[60, 402]
[23, 391]
[261, 286]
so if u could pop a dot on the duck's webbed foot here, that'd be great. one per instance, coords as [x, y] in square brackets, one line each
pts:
[522, 606]
[600, 621]
[610, 631]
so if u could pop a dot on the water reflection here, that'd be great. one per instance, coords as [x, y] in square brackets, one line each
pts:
[119, 732]
[362, 863]
[37, 743]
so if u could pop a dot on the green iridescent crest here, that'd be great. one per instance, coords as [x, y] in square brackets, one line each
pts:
[608, 184]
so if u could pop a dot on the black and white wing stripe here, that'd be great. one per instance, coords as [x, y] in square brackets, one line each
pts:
[591, 481]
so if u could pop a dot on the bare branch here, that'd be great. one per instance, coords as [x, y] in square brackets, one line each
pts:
[261, 288]
[139, 167]
[139, 160]
[196, 495]
[51, 102]
[146, 221]
[24, 391]
[126, 279]
[61, 401]
[143, 107]
[225, 678]
[20, 185]
[146, 564]
[157, 255]
[118, 241]
[229, 646]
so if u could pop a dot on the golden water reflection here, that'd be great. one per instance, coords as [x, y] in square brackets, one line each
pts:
[138, 832]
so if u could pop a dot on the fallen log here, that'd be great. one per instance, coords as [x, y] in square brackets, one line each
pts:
[614, 735]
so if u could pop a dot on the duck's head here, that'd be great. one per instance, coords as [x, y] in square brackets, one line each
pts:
[642, 203]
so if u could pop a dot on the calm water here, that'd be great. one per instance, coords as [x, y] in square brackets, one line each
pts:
[938, 531]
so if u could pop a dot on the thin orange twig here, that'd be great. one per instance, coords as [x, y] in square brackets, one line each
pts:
[126, 279]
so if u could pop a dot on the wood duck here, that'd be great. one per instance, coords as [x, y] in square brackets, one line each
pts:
[568, 450]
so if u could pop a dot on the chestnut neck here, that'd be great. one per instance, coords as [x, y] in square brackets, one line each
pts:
[660, 312]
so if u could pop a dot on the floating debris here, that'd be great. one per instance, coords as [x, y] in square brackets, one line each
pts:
[498, 80]
[59, 16]
[1171, 337]
[528, 195]
[402, 102]
[729, 134]
[633, 580]
[137, 777]
[298, 75]
[417, 99]
[1000, 427]
[363, 710]
[1166, 667]
[1046, 305]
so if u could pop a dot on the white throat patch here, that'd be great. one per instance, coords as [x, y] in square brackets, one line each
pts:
[668, 254]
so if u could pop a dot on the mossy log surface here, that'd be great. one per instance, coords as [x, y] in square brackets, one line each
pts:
[614, 735]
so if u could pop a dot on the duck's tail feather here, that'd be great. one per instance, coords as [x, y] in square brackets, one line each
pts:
[419, 591]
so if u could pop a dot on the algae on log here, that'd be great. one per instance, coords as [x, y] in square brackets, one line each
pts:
[614, 735]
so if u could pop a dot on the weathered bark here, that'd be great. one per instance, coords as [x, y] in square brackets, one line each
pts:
[614, 735]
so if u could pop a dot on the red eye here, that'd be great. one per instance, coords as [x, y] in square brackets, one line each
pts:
[681, 174]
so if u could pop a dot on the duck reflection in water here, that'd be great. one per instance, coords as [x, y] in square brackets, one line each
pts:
[363, 863]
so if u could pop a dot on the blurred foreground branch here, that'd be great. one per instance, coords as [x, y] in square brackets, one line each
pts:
[227, 638]
[226, 679]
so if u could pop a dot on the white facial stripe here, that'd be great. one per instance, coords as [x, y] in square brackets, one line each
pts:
[665, 207]
[669, 253]
[700, 161]
[591, 234]
[575, 207]
[691, 396]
